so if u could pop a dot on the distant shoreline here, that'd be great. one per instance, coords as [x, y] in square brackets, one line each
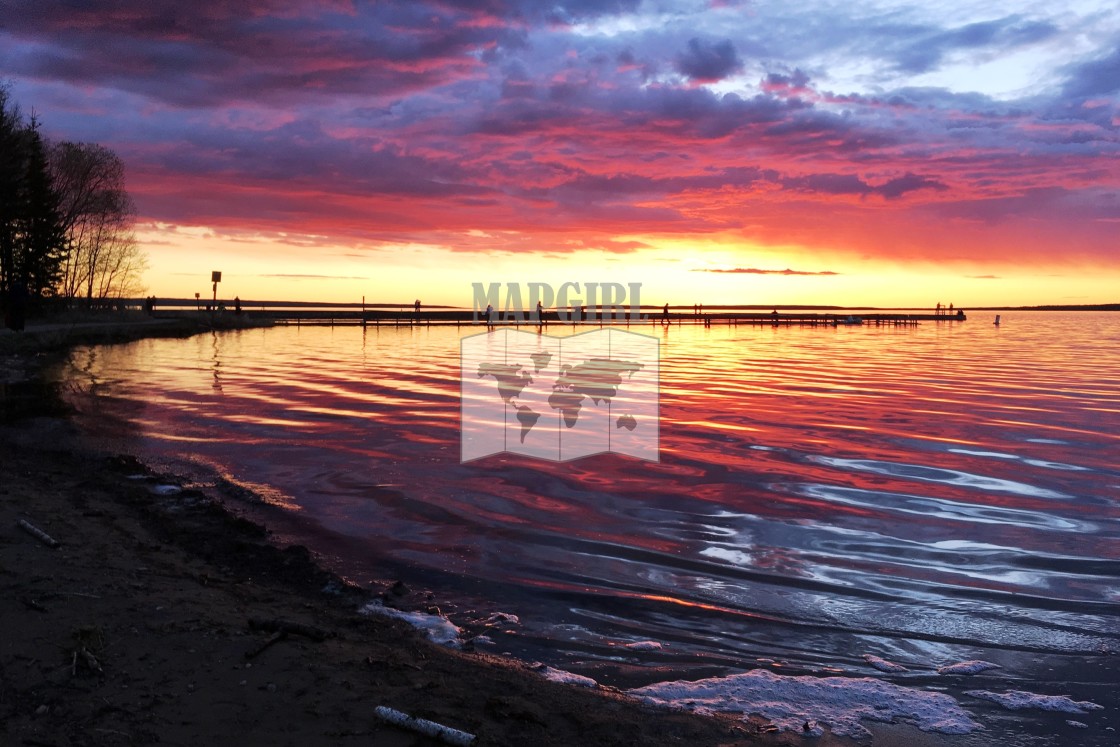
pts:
[251, 305]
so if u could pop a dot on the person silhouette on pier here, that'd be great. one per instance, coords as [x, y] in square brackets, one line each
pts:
[665, 314]
[489, 315]
[236, 304]
[540, 313]
[416, 310]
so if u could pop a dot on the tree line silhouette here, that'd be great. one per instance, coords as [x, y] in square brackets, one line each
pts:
[66, 221]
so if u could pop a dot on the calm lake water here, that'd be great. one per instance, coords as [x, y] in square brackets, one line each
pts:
[927, 494]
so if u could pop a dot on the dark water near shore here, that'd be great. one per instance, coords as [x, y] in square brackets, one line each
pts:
[927, 494]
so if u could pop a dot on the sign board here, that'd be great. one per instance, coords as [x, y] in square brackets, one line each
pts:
[215, 276]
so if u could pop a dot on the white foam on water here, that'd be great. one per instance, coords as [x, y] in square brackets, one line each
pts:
[791, 702]
[437, 627]
[939, 475]
[566, 678]
[1018, 700]
[502, 618]
[883, 665]
[974, 666]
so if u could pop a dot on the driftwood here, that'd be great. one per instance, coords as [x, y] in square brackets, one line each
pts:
[287, 626]
[428, 728]
[276, 638]
[37, 533]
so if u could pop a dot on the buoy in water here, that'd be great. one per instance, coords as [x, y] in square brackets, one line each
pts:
[996, 322]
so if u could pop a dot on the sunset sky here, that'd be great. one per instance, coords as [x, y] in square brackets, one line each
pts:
[717, 151]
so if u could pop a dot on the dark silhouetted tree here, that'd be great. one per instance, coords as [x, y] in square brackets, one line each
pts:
[65, 217]
[41, 239]
[102, 261]
[11, 181]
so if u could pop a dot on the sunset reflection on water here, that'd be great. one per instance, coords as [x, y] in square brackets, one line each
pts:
[914, 492]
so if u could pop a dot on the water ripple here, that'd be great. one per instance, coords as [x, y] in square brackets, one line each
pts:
[940, 490]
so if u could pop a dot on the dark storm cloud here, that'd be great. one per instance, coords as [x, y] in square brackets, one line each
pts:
[708, 62]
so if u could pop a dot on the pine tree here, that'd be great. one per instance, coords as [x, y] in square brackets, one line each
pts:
[11, 178]
[42, 240]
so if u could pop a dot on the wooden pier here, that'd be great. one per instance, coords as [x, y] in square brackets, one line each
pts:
[653, 318]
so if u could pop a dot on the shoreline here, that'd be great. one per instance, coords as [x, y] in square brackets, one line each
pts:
[144, 625]
[136, 629]
[59, 334]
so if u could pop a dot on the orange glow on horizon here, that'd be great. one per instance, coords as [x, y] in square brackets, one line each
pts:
[671, 271]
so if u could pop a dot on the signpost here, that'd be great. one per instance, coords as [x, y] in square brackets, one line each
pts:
[215, 278]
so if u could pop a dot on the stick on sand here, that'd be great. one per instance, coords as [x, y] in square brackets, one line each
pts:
[425, 727]
[37, 533]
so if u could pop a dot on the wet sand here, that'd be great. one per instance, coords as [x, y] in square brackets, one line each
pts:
[138, 629]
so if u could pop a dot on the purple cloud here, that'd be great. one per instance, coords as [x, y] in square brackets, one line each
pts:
[419, 121]
[706, 62]
[1097, 77]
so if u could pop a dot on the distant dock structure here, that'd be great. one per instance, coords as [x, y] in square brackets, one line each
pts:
[312, 314]
[436, 316]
